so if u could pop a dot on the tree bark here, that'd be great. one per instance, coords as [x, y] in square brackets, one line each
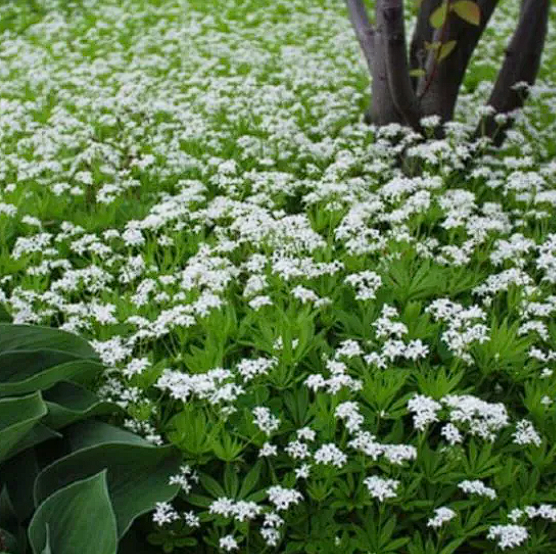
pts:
[442, 92]
[382, 111]
[363, 29]
[390, 21]
[521, 64]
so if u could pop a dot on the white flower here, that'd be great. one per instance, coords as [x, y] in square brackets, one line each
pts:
[381, 488]
[441, 516]
[477, 487]
[330, 454]
[265, 421]
[508, 536]
[306, 433]
[297, 450]
[184, 478]
[425, 410]
[164, 513]
[282, 498]
[270, 536]
[366, 283]
[451, 433]
[268, 450]
[525, 433]
[228, 543]
[302, 472]
[349, 411]
[191, 519]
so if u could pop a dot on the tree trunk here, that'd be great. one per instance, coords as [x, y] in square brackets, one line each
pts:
[521, 65]
[442, 92]
[398, 98]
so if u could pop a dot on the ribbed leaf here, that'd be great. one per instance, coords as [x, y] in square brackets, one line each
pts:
[137, 476]
[17, 417]
[20, 337]
[92, 433]
[68, 403]
[30, 370]
[78, 518]
[19, 474]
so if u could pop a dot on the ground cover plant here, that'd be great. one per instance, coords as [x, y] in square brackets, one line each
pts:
[347, 357]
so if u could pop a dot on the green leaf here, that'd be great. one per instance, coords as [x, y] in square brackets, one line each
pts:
[19, 488]
[418, 72]
[30, 370]
[212, 485]
[251, 480]
[446, 49]
[77, 518]
[137, 476]
[38, 434]
[17, 417]
[92, 433]
[68, 403]
[468, 11]
[4, 315]
[20, 337]
[438, 16]
[47, 549]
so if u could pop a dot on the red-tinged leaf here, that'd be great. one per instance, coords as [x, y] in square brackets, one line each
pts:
[438, 16]
[446, 49]
[469, 11]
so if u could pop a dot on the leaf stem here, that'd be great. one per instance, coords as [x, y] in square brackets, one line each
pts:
[441, 38]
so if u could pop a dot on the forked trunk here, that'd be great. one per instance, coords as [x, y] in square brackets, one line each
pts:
[399, 98]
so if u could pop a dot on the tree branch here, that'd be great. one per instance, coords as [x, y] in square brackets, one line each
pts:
[423, 33]
[391, 28]
[363, 29]
[521, 64]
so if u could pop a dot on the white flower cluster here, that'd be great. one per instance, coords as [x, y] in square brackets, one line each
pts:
[265, 421]
[441, 516]
[463, 329]
[283, 498]
[477, 487]
[239, 510]
[381, 488]
[473, 415]
[508, 536]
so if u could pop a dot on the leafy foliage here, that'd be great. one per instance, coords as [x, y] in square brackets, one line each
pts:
[60, 469]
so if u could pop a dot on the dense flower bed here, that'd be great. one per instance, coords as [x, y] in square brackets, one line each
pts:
[349, 358]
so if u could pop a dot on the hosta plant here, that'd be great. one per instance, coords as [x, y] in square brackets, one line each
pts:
[69, 482]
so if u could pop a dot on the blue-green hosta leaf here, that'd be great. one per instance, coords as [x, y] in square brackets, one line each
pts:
[18, 416]
[78, 518]
[24, 371]
[68, 403]
[137, 476]
[92, 433]
[38, 434]
[23, 337]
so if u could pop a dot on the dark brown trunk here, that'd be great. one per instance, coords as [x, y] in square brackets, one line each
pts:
[521, 64]
[442, 92]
